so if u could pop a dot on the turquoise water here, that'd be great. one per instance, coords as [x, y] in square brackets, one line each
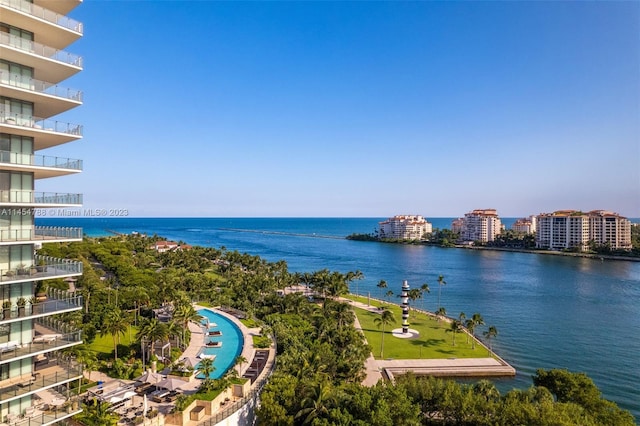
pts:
[231, 339]
[550, 312]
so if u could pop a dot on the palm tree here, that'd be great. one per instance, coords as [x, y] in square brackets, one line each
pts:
[491, 333]
[440, 313]
[382, 285]
[455, 329]
[239, 361]
[115, 324]
[314, 404]
[357, 276]
[487, 390]
[185, 314]
[441, 282]
[414, 294]
[477, 320]
[152, 330]
[424, 288]
[97, 413]
[206, 367]
[386, 317]
[389, 294]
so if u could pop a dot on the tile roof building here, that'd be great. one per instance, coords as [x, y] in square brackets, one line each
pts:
[405, 227]
[572, 229]
[481, 225]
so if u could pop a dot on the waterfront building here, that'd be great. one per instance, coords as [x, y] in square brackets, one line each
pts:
[525, 225]
[405, 227]
[34, 381]
[457, 225]
[482, 225]
[572, 229]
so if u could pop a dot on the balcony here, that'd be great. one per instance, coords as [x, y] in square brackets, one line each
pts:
[51, 63]
[42, 344]
[43, 234]
[45, 418]
[20, 386]
[39, 199]
[47, 23]
[43, 166]
[29, 125]
[49, 99]
[57, 302]
[47, 268]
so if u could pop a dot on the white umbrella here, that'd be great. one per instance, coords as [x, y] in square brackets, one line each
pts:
[145, 405]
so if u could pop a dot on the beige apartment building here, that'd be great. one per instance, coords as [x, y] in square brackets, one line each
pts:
[482, 225]
[525, 225]
[34, 380]
[405, 227]
[571, 229]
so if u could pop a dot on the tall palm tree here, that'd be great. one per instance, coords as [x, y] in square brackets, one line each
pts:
[386, 317]
[424, 288]
[240, 360]
[152, 330]
[389, 294]
[382, 285]
[477, 320]
[184, 314]
[441, 282]
[440, 313]
[116, 324]
[454, 329]
[491, 333]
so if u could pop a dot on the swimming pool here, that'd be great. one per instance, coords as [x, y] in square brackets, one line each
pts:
[232, 342]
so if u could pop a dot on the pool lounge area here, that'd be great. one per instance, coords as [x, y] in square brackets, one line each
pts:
[223, 342]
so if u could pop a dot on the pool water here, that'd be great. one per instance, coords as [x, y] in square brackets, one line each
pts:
[231, 338]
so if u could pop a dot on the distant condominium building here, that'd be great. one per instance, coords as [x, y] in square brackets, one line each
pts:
[35, 382]
[481, 225]
[571, 229]
[405, 227]
[525, 225]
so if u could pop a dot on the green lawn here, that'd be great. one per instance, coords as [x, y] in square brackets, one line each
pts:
[104, 344]
[434, 340]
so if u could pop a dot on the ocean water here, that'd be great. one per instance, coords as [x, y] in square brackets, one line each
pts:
[550, 311]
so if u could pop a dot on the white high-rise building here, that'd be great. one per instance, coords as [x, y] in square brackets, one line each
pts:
[405, 227]
[33, 63]
[481, 225]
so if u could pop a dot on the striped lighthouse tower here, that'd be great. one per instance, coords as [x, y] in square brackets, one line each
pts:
[405, 306]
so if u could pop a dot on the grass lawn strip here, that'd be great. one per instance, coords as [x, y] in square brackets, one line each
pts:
[434, 341]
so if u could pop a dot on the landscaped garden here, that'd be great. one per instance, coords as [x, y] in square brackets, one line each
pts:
[435, 339]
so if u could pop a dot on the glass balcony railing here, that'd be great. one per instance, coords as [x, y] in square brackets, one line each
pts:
[41, 344]
[44, 14]
[30, 121]
[46, 52]
[43, 87]
[38, 160]
[48, 417]
[18, 387]
[40, 233]
[56, 301]
[32, 197]
[45, 268]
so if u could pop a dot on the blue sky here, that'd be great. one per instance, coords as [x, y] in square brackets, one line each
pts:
[364, 109]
